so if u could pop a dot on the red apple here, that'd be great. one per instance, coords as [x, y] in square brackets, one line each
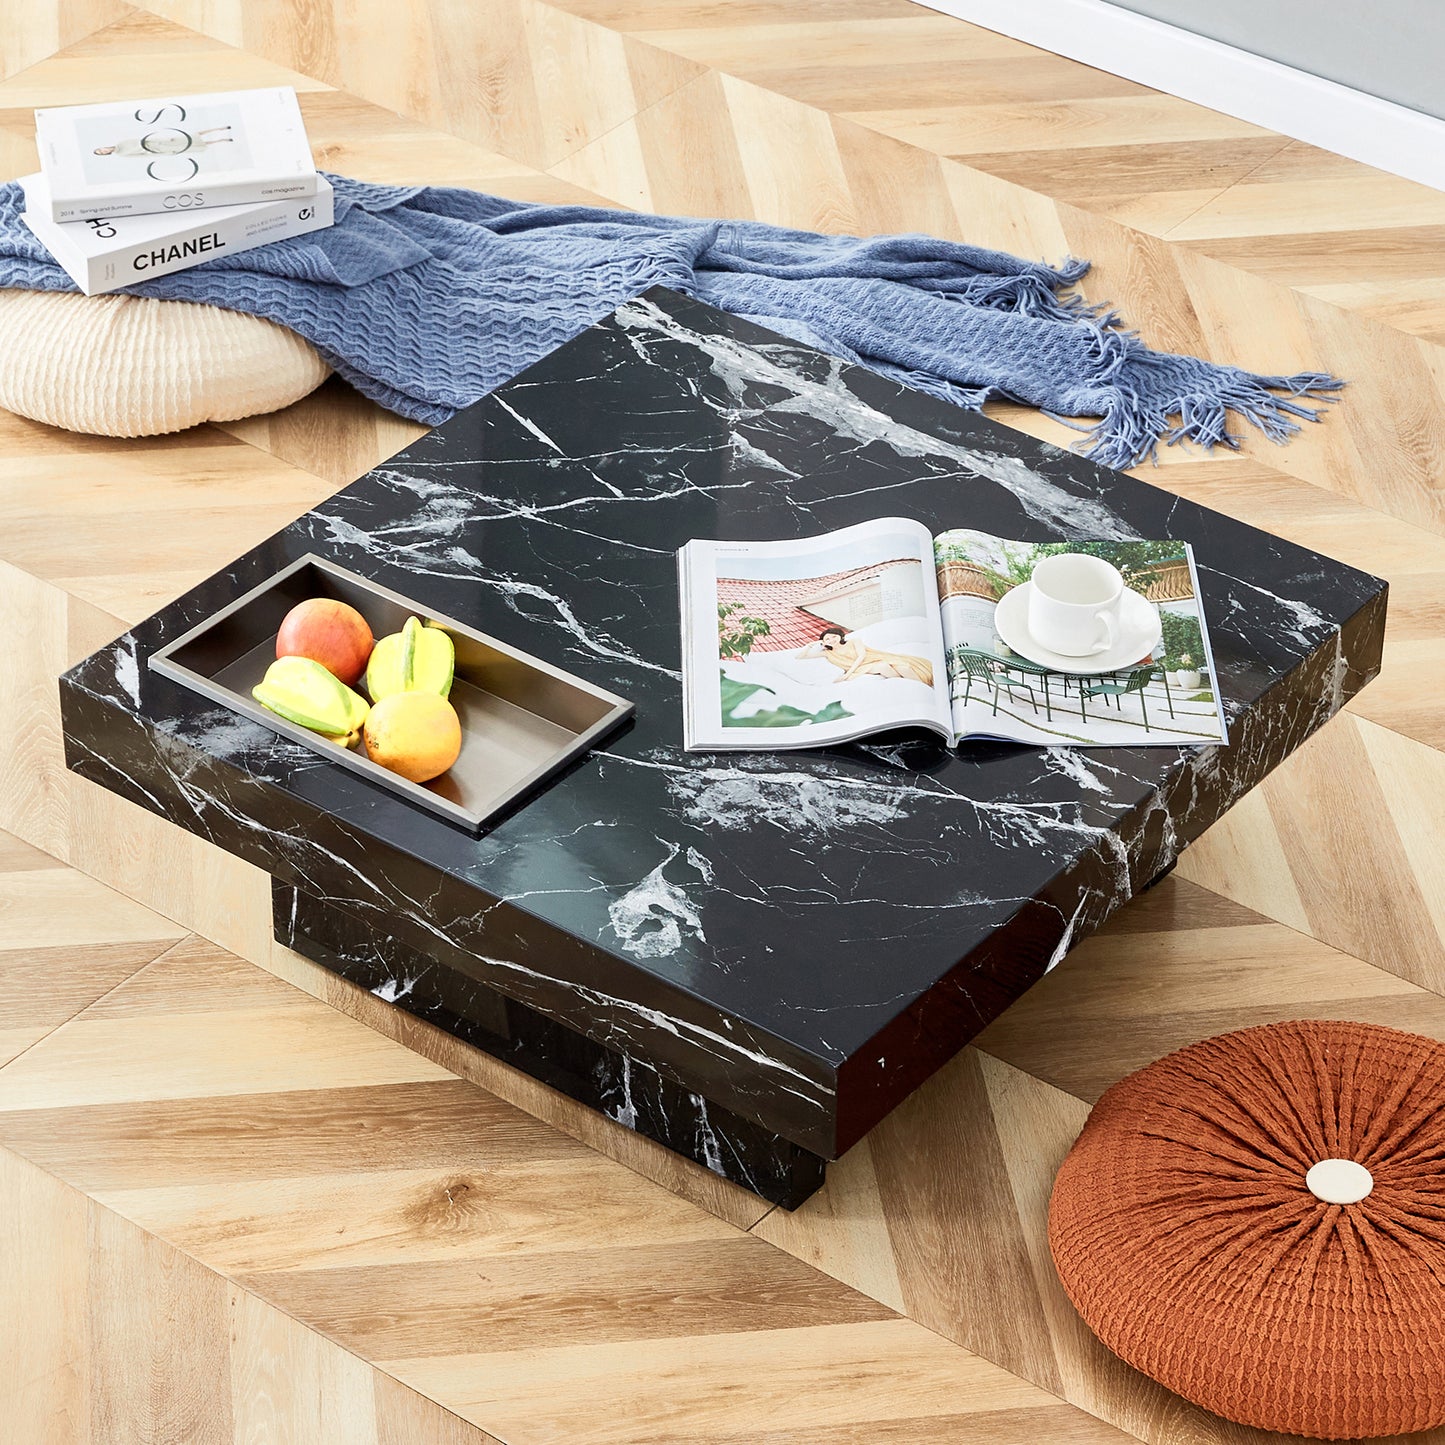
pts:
[329, 632]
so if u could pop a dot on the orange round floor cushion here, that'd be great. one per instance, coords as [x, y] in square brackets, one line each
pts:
[1258, 1222]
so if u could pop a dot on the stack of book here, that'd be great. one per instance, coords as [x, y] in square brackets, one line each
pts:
[138, 189]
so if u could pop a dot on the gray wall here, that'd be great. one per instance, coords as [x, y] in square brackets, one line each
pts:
[1394, 49]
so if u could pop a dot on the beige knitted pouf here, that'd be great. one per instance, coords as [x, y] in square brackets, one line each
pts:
[128, 366]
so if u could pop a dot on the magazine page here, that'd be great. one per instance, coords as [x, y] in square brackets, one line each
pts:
[1164, 694]
[800, 644]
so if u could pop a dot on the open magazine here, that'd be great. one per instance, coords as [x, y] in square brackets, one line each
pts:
[801, 644]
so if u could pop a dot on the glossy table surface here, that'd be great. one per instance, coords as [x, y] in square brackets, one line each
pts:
[802, 937]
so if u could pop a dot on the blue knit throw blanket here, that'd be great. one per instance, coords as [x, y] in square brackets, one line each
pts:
[426, 298]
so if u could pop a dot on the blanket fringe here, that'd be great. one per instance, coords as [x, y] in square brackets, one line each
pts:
[1038, 291]
[1150, 397]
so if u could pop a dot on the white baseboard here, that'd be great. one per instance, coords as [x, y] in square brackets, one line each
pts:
[1334, 117]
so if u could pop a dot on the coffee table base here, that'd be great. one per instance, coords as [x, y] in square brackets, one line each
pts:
[625, 1090]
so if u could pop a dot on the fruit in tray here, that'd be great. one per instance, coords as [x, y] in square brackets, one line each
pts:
[416, 659]
[329, 632]
[409, 727]
[304, 692]
[415, 734]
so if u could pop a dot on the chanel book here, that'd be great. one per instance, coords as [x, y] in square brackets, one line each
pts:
[174, 154]
[109, 252]
[817, 641]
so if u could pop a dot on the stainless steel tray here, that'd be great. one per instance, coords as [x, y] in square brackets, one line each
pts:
[522, 719]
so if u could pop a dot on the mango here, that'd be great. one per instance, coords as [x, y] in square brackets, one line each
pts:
[302, 691]
[332, 633]
[415, 734]
[416, 659]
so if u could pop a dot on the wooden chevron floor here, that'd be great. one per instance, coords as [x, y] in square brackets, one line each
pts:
[246, 1202]
[238, 1214]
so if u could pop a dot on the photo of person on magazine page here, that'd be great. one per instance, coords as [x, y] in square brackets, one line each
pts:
[826, 635]
[857, 659]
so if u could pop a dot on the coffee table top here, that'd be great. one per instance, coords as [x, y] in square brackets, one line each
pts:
[804, 935]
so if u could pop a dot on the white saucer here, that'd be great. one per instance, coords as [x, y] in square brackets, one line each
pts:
[1139, 633]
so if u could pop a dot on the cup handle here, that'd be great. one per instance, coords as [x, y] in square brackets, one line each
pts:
[1110, 633]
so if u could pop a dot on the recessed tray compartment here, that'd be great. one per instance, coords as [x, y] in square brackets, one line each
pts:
[522, 719]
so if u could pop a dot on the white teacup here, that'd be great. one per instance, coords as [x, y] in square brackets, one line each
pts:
[1075, 604]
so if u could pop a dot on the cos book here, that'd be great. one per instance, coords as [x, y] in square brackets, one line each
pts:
[183, 153]
[113, 251]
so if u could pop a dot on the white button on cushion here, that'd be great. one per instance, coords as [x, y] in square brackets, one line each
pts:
[1339, 1181]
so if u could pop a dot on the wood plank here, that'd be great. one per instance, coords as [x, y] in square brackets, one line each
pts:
[650, 1291]
[1180, 964]
[117, 1339]
[163, 1355]
[65, 941]
[828, 1375]
[44, 1359]
[1023, 123]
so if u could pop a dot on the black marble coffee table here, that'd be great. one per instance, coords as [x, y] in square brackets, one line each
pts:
[752, 958]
